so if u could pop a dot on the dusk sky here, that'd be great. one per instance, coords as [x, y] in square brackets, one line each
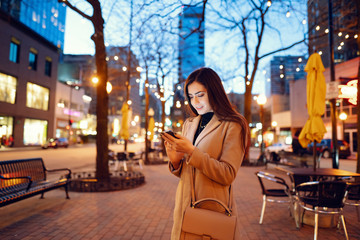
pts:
[219, 52]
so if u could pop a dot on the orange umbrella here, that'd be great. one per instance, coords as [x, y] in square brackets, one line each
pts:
[314, 128]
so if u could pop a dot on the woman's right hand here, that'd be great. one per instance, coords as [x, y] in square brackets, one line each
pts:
[174, 156]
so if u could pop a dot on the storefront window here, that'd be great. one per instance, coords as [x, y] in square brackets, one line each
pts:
[37, 97]
[7, 88]
[35, 131]
[6, 131]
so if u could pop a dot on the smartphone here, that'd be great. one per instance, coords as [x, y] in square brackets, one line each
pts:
[171, 133]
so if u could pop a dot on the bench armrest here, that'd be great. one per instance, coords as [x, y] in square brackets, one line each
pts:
[24, 177]
[68, 176]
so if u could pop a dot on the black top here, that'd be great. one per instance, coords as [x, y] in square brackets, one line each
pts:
[205, 119]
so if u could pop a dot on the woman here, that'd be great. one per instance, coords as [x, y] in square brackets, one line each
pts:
[214, 142]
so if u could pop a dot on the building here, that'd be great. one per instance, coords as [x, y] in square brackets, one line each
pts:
[191, 44]
[345, 16]
[28, 75]
[345, 73]
[191, 57]
[71, 119]
[80, 70]
[47, 18]
[284, 71]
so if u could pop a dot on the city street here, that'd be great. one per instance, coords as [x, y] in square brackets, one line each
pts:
[81, 157]
[75, 157]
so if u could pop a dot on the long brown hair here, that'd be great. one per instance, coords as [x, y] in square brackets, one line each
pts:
[218, 100]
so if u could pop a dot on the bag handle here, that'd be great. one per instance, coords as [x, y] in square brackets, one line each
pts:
[193, 199]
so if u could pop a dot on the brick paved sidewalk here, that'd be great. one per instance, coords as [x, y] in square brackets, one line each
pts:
[146, 213]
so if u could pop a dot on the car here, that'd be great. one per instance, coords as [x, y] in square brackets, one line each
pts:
[325, 147]
[55, 143]
[273, 152]
[279, 147]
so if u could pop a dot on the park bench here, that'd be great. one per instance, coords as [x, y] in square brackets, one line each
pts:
[24, 178]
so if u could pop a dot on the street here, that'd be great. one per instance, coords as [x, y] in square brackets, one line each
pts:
[83, 157]
[77, 157]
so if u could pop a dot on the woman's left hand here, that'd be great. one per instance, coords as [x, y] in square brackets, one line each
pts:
[179, 144]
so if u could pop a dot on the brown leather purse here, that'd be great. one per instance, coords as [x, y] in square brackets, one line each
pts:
[206, 224]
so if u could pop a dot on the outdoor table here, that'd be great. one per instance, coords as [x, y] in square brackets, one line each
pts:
[319, 174]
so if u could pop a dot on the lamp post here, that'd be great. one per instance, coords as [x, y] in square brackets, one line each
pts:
[261, 100]
[274, 125]
[343, 117]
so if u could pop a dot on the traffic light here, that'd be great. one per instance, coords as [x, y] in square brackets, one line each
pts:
[71, 122]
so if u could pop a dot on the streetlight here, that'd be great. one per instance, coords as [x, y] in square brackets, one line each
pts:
[261, 100]
[274, 125]
[343, 117]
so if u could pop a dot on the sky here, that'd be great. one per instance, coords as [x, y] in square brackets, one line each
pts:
[223, 59]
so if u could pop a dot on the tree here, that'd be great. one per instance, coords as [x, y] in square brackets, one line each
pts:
[102, 140]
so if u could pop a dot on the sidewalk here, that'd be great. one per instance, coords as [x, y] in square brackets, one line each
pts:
[146, 213]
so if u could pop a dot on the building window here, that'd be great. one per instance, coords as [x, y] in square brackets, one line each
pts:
[33, 59]
[7, 88]
[48, 62]
[35, 131]
[37, 97]
[14, 50]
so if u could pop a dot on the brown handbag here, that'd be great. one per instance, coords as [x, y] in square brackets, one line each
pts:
[207, 224]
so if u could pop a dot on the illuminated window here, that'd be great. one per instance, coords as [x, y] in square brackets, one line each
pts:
[48, 63]
[35, 131]
[14, 50]
[32, 59]
[37, 97]
[7, 88]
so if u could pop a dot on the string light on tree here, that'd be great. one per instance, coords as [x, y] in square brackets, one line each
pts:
[340, 34]
[327, 30]
[317, 28]
[304, 21]
[288, 14]
[268, 3]
[347, 36]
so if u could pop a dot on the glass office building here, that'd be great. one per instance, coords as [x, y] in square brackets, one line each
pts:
[47, 18]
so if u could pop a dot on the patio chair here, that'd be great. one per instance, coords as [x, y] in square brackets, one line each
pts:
[273, 194]
[353, 198]
[136, 159]
[324, 197]
[121, 157]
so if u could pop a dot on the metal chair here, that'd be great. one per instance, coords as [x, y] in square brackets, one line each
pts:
[325, 197]
[273, 194]
[353, 198]
[121, 157]
[136, 159]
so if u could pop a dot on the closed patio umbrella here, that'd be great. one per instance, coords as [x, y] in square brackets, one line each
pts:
[124, 131]
[151, 128]
[314, 128]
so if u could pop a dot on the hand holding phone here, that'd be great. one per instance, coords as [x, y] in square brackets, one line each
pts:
[171, 133]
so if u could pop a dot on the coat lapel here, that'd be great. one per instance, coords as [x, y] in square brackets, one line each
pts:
[213, 124]
[191, 129]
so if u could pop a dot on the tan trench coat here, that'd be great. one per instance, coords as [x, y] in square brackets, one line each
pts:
[217, 158]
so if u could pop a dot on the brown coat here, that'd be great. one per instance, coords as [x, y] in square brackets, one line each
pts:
[217, 158]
